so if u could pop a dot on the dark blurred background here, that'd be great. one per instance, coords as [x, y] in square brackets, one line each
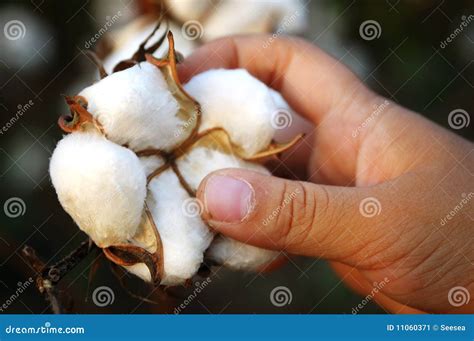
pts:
[407, 63]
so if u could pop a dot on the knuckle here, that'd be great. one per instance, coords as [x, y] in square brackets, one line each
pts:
[321, 211]
[295, 220]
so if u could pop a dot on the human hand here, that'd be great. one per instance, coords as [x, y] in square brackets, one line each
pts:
[383, 181]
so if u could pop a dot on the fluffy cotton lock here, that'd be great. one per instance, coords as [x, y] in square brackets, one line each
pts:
[184, 236]
[135, 108]
[201, 161]
[237, 102]
[101, 185]
[239, 256]
[194, 167]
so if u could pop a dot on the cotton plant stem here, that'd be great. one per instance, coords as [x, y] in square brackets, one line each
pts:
[57, 271]
[49, 276]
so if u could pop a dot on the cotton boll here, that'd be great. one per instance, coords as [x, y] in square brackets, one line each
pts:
[239, 256]
[237, 102]
[135, 108]
[200, 161]
[183, 234]
[233, 17]
[293, 17]
[101, 185]
[244, 16]
[184, 10]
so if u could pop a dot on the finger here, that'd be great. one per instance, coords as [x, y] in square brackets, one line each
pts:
[298, 217]
[310, 80]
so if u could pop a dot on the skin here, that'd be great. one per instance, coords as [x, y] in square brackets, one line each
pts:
[417, 172]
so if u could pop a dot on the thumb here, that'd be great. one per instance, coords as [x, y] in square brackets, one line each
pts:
[298, 217]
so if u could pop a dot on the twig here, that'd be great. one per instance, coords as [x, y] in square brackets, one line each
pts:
[49, 276]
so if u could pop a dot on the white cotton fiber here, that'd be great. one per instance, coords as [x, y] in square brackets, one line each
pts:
[247, 16]
[183, 234]
[101, 185]
[239, 256]
[185, 10]
[151, 163]
[200, 161]
[135, 108]
[194, 167]
[237, 102]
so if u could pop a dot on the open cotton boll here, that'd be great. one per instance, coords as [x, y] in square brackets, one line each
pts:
[245, 16]
[136, 108]
[101, 185]
[184, 10]
[183, 234]
[239, 256]
[237, 102]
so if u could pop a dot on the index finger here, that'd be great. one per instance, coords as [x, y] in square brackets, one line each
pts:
[311, 81]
